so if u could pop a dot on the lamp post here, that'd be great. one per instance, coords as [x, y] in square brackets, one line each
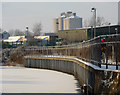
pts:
[26, 35]
[109, 28]
[116, 49]
[92, 32]
[116, 30]
[57, 23]
[94, 14]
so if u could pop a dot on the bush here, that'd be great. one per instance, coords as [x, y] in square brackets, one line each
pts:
[17, 56]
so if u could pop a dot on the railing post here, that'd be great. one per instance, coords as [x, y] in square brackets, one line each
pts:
[99, 64]
[106, 57]
[116, 58]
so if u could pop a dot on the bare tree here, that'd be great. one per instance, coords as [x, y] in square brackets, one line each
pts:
[16, 32]
[89, 22]
[11, 32]
[0, 30]
[0, 34]
[37, 29]
[86, 23]
[99, 22]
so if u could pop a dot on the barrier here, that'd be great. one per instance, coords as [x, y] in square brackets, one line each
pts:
[93, 79]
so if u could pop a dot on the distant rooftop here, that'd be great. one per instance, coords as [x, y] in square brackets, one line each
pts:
[50, 34]
[69, 13]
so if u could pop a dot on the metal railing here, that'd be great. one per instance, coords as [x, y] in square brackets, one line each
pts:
[97, 53]
[95, 40]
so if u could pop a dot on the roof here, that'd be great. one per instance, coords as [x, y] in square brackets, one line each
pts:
[93, 27]
[15, 39]
[51, 34]
[74, 17]
[42, 37]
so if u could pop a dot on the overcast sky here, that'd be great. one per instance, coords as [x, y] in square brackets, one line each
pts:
[18, 15]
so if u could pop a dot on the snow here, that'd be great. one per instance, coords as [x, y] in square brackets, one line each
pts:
[110, 68]
[24, 80]
[74, 17]
[63, 16]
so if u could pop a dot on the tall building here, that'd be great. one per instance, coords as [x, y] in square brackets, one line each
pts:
[119, 12]
[60, 23]
[72, 22]
[55, 24]
[67, 21]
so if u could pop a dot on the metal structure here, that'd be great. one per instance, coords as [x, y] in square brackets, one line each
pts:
[94, 14]
[93, 51]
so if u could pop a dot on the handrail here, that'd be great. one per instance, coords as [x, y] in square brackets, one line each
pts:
[68, 46]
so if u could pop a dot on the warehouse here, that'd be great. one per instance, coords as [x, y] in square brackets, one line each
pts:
[83, 34]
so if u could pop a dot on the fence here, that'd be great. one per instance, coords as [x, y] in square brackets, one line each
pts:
[107, 53]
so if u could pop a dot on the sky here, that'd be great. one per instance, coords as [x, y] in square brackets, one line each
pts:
[18, 15]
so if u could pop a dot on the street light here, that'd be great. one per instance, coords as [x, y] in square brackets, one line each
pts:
[57, 23]
[116, 49]
[116, 30]
[26, 35]
[109, 27]
[92, 32]
[94, 13]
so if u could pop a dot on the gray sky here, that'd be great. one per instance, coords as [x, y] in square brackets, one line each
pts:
[21, 14]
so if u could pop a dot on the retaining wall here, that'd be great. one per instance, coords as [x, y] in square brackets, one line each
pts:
[96, 80]
[89, 52]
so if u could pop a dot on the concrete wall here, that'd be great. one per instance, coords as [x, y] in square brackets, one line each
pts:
[97, 81]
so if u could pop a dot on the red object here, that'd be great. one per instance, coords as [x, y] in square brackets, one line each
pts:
[102, 40]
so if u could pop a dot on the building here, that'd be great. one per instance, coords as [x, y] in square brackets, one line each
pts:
[55, 24]
[42, 40]
[72, 22]
[49, 39]
[84, 34]
[5, 35]
[52, 37]
[13, 41]
[66, 21]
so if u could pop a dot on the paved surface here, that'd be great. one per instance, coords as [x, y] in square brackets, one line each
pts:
[29, 80]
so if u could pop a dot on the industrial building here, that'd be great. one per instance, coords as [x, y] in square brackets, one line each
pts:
[67, 20]
[84, 34]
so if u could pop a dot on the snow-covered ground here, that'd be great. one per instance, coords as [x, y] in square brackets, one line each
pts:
[29, 80]
[110, 67]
